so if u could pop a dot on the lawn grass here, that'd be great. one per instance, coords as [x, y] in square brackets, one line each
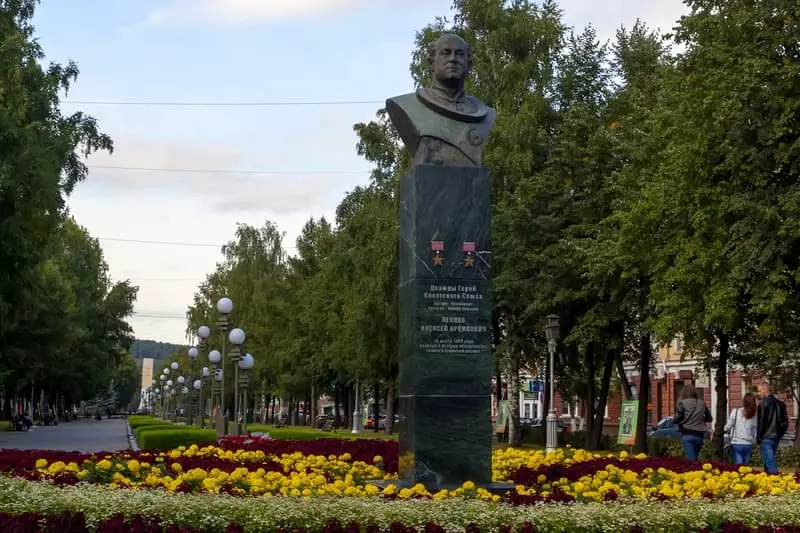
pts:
[309, 433]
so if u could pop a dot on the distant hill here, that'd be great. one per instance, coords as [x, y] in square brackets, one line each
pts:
[155, 349]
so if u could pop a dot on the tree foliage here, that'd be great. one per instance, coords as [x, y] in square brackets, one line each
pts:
[638, 192]
[62, 320]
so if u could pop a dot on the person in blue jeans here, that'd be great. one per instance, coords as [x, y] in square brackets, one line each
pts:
[691, 417]
[770, 428]
[741, 427]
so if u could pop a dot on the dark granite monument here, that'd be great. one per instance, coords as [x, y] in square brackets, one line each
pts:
[445, 278]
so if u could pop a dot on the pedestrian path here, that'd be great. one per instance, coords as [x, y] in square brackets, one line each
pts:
[81, 435]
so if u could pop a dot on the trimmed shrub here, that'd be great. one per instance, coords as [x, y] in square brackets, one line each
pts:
[174, 437]
[136, 421]
[155, 427]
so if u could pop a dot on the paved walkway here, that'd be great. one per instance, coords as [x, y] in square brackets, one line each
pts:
[80, 435]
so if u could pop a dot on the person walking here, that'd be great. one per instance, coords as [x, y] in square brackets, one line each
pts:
[691, 416]
[742, 425]
[771, 427]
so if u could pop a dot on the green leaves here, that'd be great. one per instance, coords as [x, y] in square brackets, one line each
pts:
[62, 322]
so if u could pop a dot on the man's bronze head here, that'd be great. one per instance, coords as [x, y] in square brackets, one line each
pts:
[450, 60]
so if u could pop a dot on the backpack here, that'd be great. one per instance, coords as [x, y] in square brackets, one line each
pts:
[783, 419]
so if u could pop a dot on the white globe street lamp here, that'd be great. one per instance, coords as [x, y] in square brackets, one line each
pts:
[237, 336]
[214, 357]
[225, 306]
[247, 362]
[197, 384]
[193, 352]
[204, 332]
[174, 365]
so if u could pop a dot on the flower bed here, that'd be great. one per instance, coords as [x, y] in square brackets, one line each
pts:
[108, 510]
[260, 467]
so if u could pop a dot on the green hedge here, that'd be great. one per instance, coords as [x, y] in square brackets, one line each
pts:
[136, 421]
[174, 437]
[155, 427]
[213, 513]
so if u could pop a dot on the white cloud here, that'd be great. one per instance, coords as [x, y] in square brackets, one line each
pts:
[246, 11]
[135, 163]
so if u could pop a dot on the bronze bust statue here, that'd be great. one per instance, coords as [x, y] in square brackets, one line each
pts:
[441, 124]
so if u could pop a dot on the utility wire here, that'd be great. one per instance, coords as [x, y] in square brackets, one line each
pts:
[229, 171]
[169, 243]
[276, 103]
[173, 243]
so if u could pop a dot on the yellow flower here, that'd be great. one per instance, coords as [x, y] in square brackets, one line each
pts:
[41, 463]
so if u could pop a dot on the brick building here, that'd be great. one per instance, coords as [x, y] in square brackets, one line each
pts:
[667, 379]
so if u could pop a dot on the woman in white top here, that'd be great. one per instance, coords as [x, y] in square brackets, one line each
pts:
[742, 427]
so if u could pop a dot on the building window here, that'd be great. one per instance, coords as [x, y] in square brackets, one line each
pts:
[565, 408]
[678, 344]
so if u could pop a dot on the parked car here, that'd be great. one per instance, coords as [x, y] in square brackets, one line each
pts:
[538, 423]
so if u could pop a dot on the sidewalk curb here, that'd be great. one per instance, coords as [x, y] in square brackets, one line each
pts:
[132, 444]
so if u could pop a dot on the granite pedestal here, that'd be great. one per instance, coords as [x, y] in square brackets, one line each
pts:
[445, 327]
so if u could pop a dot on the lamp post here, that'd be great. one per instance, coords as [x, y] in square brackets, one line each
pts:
[170, 407]
[245, 364]
[203, 332]
[553, 333]
[197, 385]
[236, 338]
[218, 377]
[182, 401]
[192, 353]
[224, 306]
[357, 410]
[162, 378]
[214, 357]
[201, 402]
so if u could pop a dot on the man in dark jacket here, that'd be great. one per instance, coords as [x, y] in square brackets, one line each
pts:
[769, 427]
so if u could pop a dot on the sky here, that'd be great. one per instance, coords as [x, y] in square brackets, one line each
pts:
[160, 224]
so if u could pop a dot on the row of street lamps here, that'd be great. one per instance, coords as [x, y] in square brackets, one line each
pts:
[166, 392]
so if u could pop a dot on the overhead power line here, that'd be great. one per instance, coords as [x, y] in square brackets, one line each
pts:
[172, 243]
[159, 317]
[168, 243]
[275, 103]
[227, 171]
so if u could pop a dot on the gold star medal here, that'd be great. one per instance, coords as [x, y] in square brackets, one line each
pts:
[437, 248]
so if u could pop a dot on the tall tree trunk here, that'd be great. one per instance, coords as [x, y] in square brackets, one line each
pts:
[721, 414]
[348, 406]
[307, 408]
[389, 427]
[605, 386]
[514, 429]
[591, 394]
[337, 403]
[645, 355]
[795, 392]
[376, 393]
[623, 378]
[314, 406]
[498, 378]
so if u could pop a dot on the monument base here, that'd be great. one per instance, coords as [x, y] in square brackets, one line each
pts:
[445, 331]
